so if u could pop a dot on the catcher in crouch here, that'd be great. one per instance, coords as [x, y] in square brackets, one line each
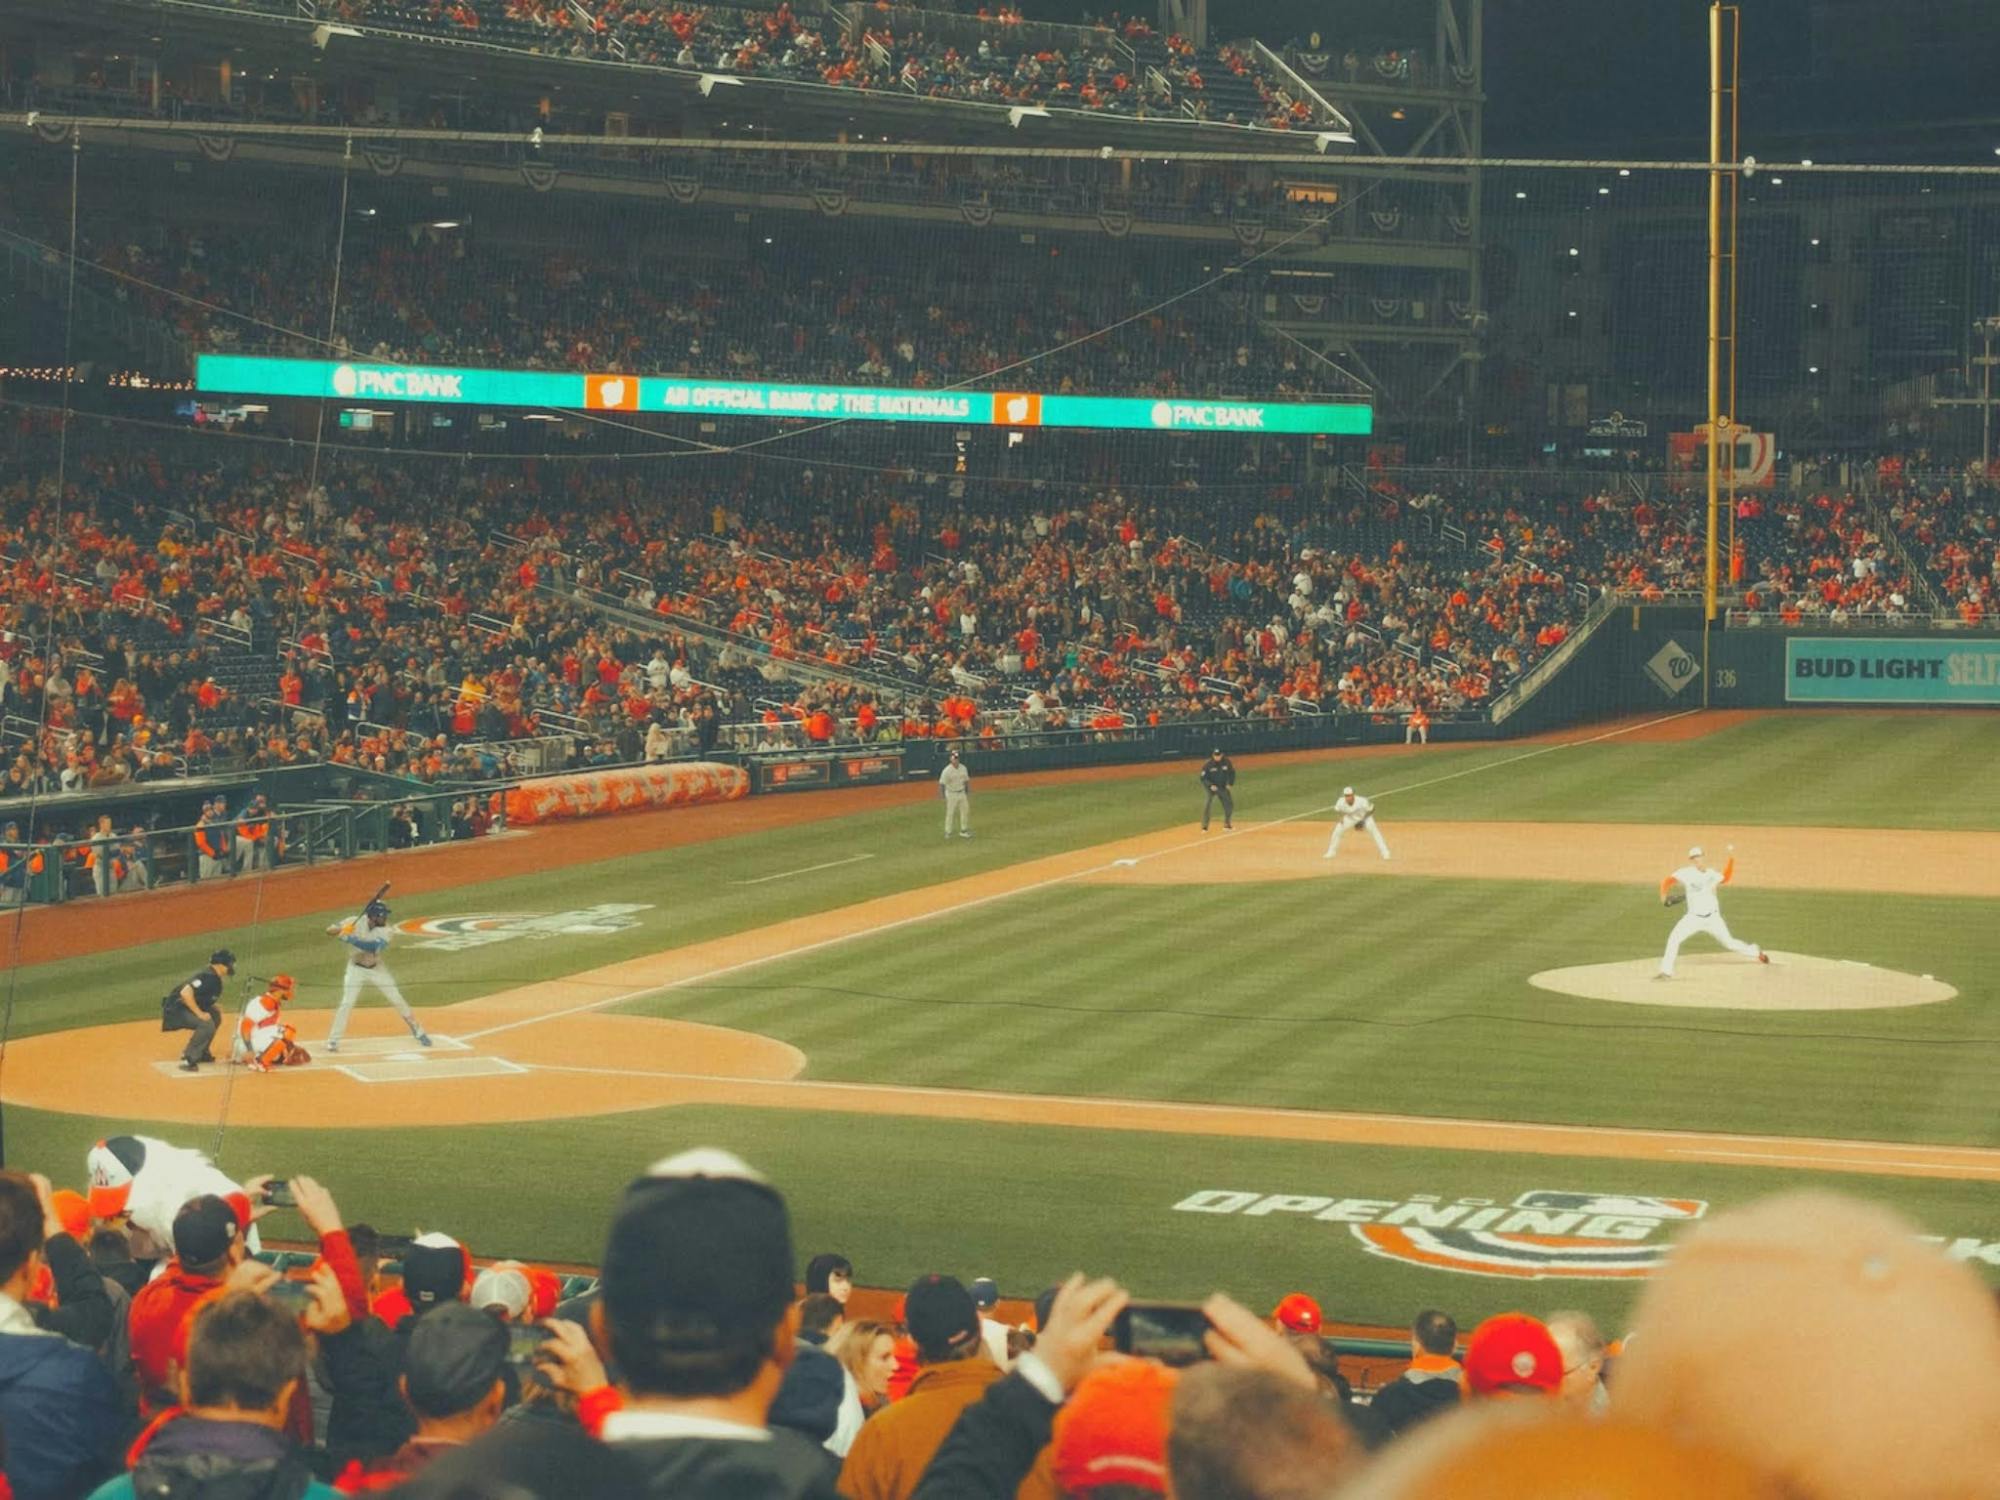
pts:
[367, 938]
[1697, 885]
[262, 1040]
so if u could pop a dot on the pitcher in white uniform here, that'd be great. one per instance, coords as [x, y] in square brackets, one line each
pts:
[1354, 811]
[1704, 913]
[955, 783]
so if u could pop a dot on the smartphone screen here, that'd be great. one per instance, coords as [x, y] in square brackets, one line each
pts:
[523, 1339]
[1171, 1332]
[279, 1194]
[290, 1293]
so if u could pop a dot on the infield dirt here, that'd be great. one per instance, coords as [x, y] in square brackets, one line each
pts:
[554, 1053]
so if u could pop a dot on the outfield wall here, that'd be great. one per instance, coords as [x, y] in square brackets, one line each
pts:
[1649, 659]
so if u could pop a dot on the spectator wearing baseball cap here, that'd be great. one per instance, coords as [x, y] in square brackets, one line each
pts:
[1430, 1383]
[208, 1244]
[696, 1312]
[59, 1408]
[1111, 1435]
[454, 1380]
[502, 1292]
[986, 1296]
[895, 1446]
[369, 1419]
[1512, 1354]
[1298, 1317]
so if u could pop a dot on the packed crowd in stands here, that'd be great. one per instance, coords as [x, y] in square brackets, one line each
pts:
[1951, 524]
[1806, 1347]
[210, 612]
[818, 316]
[1122, 70]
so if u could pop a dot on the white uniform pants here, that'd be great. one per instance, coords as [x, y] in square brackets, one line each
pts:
[350, 991]
[1714, 926]
[1340, 827]
[957, 809]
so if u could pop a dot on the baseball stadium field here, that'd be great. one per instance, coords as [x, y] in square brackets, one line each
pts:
[1094, 1035]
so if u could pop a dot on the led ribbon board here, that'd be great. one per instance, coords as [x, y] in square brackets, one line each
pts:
[557, 390]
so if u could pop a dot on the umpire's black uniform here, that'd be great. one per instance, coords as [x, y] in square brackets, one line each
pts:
[206, 985]
[1218, 775]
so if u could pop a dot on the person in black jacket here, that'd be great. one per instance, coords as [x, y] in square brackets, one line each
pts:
[197, 1006]
[1218, 775]
[696, 1314]
[1430, 1384]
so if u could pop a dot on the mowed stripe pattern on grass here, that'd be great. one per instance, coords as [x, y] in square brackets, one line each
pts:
[1401, 995]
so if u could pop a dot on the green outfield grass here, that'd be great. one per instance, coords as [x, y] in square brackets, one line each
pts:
[1407, 995]
[1024, 1204]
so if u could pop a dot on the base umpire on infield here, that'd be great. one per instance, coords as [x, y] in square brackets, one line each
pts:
[1218, 775]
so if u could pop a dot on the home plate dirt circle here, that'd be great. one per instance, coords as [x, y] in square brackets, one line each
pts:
[486, 1068]
[1722, 981]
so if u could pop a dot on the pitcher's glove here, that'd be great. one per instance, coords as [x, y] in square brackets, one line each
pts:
[1674, 897]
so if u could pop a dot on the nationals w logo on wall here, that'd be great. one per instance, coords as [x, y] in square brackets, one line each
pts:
[456, 933]
[1543, 1234]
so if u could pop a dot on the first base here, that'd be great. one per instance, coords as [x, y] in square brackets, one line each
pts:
[1125, 864]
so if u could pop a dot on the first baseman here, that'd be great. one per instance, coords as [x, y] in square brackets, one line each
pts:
[367, 938]
[1704, 913]
[955, 782]
[1354, 811]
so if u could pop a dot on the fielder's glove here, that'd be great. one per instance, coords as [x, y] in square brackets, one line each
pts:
[1674, 897]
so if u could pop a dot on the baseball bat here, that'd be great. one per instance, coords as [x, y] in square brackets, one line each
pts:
[380, 891]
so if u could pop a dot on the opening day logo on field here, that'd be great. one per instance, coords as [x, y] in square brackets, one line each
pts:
[1544, 1234]
[454, 933]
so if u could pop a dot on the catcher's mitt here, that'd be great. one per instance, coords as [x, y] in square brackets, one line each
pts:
[1674, 897]
[296, 1056]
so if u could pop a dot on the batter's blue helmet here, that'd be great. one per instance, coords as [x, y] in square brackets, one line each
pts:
[377, 912]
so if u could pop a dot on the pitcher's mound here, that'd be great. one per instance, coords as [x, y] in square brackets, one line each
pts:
[1722, 981]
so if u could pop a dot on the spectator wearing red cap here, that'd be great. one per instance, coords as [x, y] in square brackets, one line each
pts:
[1512, 1355]
[1299, 1319]
[1297, 1313]
[1111, 1435]
[894, 1447]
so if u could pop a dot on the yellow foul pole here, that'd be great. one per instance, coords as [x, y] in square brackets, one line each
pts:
[1715, 431]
